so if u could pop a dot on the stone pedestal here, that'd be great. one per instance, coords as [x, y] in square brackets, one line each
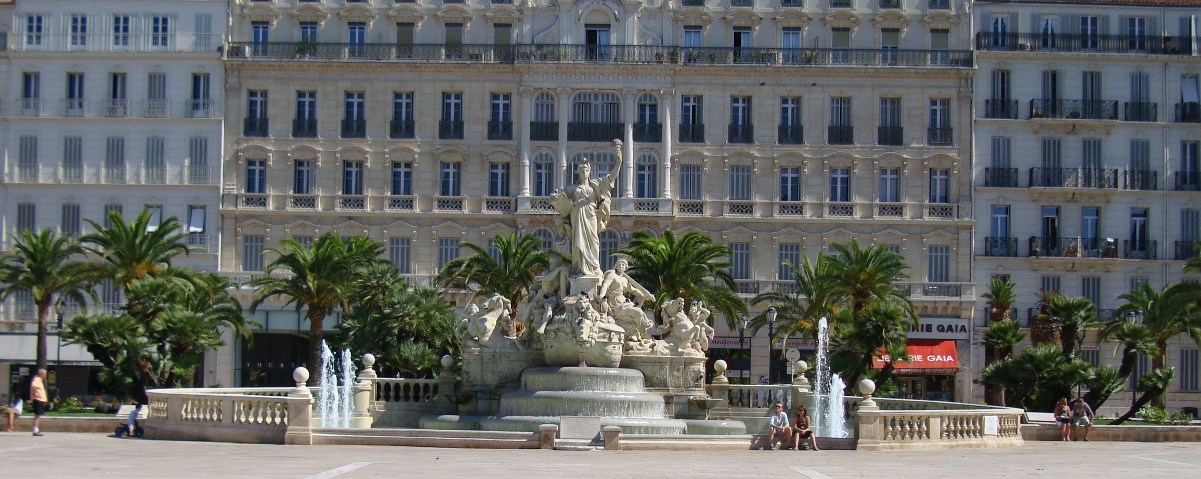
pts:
[585, 284]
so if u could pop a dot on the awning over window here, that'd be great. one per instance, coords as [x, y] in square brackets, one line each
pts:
[926, 356]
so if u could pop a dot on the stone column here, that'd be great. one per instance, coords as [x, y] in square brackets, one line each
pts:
[300, 411]
[629, 115]
[666, 100]
[524, 167]
[564, 104]
[364, 395]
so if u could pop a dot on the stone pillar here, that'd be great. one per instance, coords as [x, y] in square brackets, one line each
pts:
[870, 429]
[523, 169]
[546, 435]
[612, 436]
[564, 104]
[666, 100]
[364, 395]
[719, 387]
[300, 411]
[629, 115]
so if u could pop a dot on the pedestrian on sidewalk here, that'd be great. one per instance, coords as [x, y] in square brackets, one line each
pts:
[37, 394]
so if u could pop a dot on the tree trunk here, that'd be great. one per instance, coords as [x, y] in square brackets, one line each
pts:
[1159, 362]
[1138, 404]
[316, 334]
[43, 317]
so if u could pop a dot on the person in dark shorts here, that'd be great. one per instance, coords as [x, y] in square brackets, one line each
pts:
[802, 430]
[1063, 417]
[37, 393]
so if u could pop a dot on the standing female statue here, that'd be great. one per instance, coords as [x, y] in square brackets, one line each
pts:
[586, 207]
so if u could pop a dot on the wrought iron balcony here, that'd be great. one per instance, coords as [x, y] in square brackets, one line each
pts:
[1141, 111]
[1188, 181]
[544, 131]
[1186, 249]
[888, 135]
[1001, 108]
[1073, 247]
[200, 109]
[304, 128]
[790, 135]
[500, 130]
[1140, 180]
[1141, 249]
[620, 54]
[840, 135]
[450, 130]
[354, 128]
[692, 133]
[255, 127]
[940, 136]
[648, 132]
[1001, 177]
[1001, 246]
[595, 131]
[1059, 42]
[114, 108]
[400, 129]
[1074, 177]
[1074, 109]
[1188, 112]
[890, 4]
[741, 134]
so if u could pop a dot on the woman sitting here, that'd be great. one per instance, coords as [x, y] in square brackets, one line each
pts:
[802, 430]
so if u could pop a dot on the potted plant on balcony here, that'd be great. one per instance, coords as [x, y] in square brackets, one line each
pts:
[1110, 248]
[810, 57]
[306, 48]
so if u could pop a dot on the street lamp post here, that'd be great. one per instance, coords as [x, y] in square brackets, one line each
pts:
[771, 347]
[58, 336]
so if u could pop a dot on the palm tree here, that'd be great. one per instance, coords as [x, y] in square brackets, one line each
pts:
[882, 327]
[1153, 384]
[509, 273]
[867, 275]
[1073, 315]
[999, 341]
[41, 264]
[1133, 338]
[1166, 313]
[131, 251]
[1193, 264]
[809, 300]
[317, 278]
[1000, 310]
[1000, 300]
[691, 267]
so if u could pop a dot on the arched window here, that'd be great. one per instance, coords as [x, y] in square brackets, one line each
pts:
[548, 238]
[647, 173]
[544, 107]
[542, 177]
[610, 242]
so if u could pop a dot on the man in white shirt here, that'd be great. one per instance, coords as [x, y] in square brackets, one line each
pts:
[779, 427]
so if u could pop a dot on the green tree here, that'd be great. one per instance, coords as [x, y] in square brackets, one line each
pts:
[1000, 300]
[882, 327]
[134, 250]
[1133, 338]
[690, 266]
[1165, 313]
[510, 273]
[999, 341]
[1102, 382]
[317, 278]
[1073, 316]
[867, 275]
[1152, 385]
[42, 263]
[1193, 264]
[1037, 377]
[800, 307]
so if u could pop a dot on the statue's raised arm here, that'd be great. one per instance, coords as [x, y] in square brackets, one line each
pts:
[606, 183]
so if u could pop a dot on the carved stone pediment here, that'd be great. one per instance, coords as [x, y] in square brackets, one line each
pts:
[841, 19]
[890, 19]
[793, 18]
[940, 20]
[453, 14]
[743, 17]
[260, 13]
[406, 14]
[310, 12]
[503, 14]
[356, 13]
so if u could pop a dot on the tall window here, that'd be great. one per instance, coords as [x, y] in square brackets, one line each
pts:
[402, 178]
[355, 105]
[890, 185]
[75, 94]
[352, 177]
[940, 184]
[1090, 289]
[260, 32]
[690, 182]
[543, 171]
[1090, 223]
[787, 253]
[79, 30]
[648, 110]
[1090, 31]
[596, 107]
[306, 105]
[1188, 370]
[740, 119]
[33, 30]
[256, 104]
[448, 250]
[160, 31]
[647, 176]
[840, 184]
[108, 210]
[31, 89]
[692, 36]
[27, 158]
[71, 225]
[1138, 232]
[790, 184]
[498, 179]
[356, 35]
[610, 241]
[939, 264]
[72, 159]
[1136, 33]
[256, 176]
[452, 116]
[740, 182]
[890, 43]
[402, 115]
[940, 121]
[155, 169]
[999, 222]
[252, 253]
[840, 121]
[114, 160]
[790, 42]
[740, 260]
[890, 122]
[451, 181]
[196, 222]
[200, 95]
[502, 107]
[399, 254]
[307, 32]
[26, 217]
[692, 122]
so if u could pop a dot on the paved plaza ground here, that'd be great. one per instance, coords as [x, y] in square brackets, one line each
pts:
[64, 455]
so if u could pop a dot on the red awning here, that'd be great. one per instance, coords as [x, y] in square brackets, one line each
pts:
[926, 356]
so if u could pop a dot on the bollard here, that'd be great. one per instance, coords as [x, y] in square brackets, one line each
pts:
[546, 435]
[612, 435]
[719, 386]
[300, 411]
[364, 395]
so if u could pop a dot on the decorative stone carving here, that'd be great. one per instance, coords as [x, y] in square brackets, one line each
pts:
[585, 208]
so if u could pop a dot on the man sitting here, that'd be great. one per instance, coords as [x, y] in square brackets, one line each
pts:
[779, 427]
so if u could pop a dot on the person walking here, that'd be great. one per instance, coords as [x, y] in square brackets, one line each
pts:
[37, 394]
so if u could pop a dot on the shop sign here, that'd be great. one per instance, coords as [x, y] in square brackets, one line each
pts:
[940, 328]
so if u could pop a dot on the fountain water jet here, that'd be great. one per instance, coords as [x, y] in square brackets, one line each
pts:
[828, 395]
[335, 404]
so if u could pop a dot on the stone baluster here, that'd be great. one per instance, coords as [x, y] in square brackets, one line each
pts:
[364, 394]
[869, 419]
[300, 410]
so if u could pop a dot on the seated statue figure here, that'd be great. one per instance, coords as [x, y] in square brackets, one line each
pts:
[678, 329]
[622, 298]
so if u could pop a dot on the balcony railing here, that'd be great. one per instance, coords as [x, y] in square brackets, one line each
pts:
[124, 43]
[1001, 246]
[940, 136]
[888, 135]
[648, 132]
[200, 109]
[594, 131]
[114, 108]
[544, 131]
[1037, 42]
[450, 130]
[156, 108]
[1144, 249]
[199, 175]
[619, 54]
[790, 135]
[1074, 177]
[75, 107]
[500, 130]
[33, 107]
[934, 290]
[1188, 112]
[1001, 177]
[1140, 180]
[692, 133]
[1074, 109]
[840, 135]
[1141, 111]
[304, 127]
[741, 134]
[1001, 108]
[398, 129]
[1073, 247]
[1186, 249]
[354, 128]
[1188, 181]
[255, 127]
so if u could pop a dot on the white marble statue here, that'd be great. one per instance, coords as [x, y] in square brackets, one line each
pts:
[586, 208]
[486, 326]
[680, 332]
[622, 298]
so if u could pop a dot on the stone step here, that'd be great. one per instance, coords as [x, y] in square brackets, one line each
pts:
[370, 439]
[429, 433]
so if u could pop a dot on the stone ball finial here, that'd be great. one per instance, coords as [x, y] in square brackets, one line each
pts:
[801, 367]
[300, 375]
[867, 387]
[368, 360]
[447, 361]
[719, 366]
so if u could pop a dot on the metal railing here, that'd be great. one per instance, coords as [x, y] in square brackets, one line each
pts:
[940, 136]
[840, 135]
[1074, 109]
[255, 127]
[648, 132]
[1074, 177]
[790, 135]
[113, 42]
[1140, 249]
[888, 135]
[595, 131]
[354, 128]
[1187, 181]
[1059, 42]
[1140, 180]
[544, 131]
[1141, 111]
[741, 134]
[200, 109]
[1186, 249]
[1073, 247]
[619, 54]
[1188, 112]
[401, 129]
[1001, 247]
[692, 133]
[500, 130]
[304, 128]
[1001, 108]
[1001, 177]
[450, 130]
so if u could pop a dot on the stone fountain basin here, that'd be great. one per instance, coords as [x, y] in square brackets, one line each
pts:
[531, 423]
[583, 403]
[576, 378]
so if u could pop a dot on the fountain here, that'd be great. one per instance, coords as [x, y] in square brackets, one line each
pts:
[335, 405]
[828, 396]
